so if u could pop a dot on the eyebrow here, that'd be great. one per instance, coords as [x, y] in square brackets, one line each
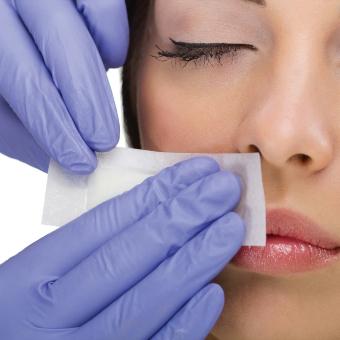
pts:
[259, 2]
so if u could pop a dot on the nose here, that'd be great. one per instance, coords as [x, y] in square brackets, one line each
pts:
[289, 121]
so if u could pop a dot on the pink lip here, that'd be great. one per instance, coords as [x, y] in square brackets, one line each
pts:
[294, 244]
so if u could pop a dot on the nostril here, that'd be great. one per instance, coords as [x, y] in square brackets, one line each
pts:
[252, 148]
[301, 158]
[304, 159]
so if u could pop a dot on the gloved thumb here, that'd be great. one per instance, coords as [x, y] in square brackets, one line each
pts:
[107, 23]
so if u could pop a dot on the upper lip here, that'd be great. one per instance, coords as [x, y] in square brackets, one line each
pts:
[288, 223]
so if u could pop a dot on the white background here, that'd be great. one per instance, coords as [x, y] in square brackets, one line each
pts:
[22, 191]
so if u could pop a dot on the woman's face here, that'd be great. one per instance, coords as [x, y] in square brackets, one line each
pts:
[277, 92]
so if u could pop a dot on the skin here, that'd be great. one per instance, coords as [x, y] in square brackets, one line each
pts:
[283, 100]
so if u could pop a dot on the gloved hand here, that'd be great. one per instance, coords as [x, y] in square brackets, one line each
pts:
[135, 267]
[54, 79]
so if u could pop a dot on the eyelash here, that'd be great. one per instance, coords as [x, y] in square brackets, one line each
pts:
[199, 53]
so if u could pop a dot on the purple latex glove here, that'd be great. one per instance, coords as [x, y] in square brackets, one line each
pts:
[53, 56]
[135, 267]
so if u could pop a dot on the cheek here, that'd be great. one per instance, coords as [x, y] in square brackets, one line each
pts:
[184, 114]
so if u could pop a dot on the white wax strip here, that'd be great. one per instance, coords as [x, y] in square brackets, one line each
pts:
[69, 196]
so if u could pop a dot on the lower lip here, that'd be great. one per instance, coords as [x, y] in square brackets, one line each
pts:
[283, 256]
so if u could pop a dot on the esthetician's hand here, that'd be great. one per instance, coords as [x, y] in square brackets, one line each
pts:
[136, 267]
[52, 75]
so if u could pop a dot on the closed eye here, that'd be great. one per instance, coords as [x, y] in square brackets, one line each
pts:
[200, 53]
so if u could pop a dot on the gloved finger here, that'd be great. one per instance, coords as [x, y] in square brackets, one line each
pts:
[148, 306]
[81, 237]
[19, 145]
[196, 319]
[108, 24]
[130, 256]
[26, 85]
[76, 67]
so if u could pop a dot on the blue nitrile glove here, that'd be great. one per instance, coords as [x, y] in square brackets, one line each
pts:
[135, 267]
[52, 74]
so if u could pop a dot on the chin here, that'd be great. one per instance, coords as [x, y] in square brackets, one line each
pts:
[268, 307]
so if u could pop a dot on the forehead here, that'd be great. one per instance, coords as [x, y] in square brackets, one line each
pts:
[203, 17]
[219, 16]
